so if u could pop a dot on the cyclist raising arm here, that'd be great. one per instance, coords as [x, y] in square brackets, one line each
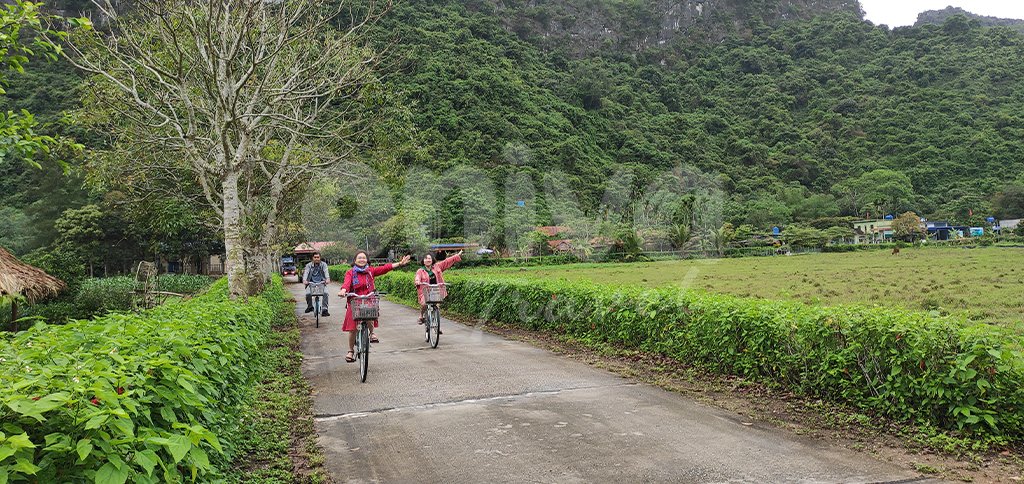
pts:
[359, 281]
[430, 273]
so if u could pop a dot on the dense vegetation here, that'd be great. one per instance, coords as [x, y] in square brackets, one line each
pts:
[940, 16]
[811, 119]
[909, 366]
[815, 117]
[151, 397]
[96, 296]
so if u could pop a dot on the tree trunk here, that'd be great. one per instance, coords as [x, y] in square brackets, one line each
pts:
[234, 264]
[14, 314]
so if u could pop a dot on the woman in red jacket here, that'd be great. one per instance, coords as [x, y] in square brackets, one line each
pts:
[430, 273]
[359, 281]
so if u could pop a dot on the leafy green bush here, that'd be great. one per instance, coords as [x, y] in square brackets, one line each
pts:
[145, 397]
[99, 295]
[183, 283]
[908, 366]
[96, 296]
[857, 247]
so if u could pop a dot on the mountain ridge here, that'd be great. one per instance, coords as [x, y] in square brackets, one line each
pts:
[938, 17]
[635, 25]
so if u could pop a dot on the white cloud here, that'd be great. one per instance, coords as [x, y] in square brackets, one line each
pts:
[895, 13]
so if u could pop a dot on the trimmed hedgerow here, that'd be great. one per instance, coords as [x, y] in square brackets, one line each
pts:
[907, 366]
[148, 397]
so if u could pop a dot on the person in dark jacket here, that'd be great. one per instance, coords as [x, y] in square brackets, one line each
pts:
[316, 272]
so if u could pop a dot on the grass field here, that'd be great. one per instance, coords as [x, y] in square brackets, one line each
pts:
[984, 284]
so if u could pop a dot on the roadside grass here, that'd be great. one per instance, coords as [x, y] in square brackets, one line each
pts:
[982, 284]
[278, 442]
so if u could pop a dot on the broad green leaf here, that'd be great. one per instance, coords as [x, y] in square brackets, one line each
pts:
[110, 474]
[199, 458]
[26, 467]
[83, 448]
[97, 421]
[20, 441]
[178, 446]
[147, 459]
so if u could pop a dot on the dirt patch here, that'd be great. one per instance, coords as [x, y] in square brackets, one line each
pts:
[763, 405]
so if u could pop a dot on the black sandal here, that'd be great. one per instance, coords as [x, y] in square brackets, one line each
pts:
[373, 338]
[350, 357]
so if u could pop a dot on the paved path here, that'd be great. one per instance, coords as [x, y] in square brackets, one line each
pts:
[480, 408]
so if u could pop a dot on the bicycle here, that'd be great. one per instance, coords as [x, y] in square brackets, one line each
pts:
[433, 297]
[316, 290]
[365, 310]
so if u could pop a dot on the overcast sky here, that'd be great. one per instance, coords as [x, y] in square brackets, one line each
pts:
[895, 13]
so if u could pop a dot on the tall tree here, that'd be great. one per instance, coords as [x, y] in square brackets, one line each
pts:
[238, 101]
[908, 227]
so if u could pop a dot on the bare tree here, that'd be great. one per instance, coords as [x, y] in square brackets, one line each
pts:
[238, 101]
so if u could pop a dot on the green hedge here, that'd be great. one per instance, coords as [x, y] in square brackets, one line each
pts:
[149, 397]
[96, 296]
[908, 366]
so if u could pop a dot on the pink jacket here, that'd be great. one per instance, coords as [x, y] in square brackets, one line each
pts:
[439, 267]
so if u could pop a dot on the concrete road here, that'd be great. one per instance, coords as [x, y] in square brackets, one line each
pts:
[480, 408]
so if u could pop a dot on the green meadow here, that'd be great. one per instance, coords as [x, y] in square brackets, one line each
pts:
[983, 284]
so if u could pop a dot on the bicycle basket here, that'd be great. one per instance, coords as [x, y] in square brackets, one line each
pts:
[316, 289]
[364, 309]
[433, 294]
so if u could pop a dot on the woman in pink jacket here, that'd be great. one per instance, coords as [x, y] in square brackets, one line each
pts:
[430, 273]
[359, 281]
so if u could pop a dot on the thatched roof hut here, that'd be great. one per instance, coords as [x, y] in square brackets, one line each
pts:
[18, 278]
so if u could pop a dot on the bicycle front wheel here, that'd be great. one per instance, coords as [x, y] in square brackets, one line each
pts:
[364, 350]
[433, 325]
[316, 310]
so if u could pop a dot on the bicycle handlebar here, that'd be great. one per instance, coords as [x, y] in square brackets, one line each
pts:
[429, 284]
[349, 295]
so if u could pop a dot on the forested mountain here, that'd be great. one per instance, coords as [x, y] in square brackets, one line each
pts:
[797, 116]
[799, 108]
[940, 16]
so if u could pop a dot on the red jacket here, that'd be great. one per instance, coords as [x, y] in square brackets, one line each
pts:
[364, 287]
[439, 267]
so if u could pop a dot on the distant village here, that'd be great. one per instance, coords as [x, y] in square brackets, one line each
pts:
[881, 230]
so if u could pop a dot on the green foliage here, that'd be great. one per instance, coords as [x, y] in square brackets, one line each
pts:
[810, 237]
[21, 25]
[626, 244]
[1008, 203]
[95, 296]
[878, 192]
[908, 366]
[81, 232]
[811, 119]
[838, 233]
[99, 295]
[152, 397]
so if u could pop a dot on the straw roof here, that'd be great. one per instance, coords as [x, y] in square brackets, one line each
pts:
[17, 277]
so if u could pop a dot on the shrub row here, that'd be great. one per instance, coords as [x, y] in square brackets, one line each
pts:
[97, 296]
[149, 397]
[908, 366]
[862, 247]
